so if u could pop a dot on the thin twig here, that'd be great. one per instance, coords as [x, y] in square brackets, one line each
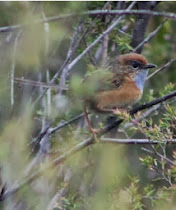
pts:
[142, 116]
[153, 33]
[93, 24]
[47, 34]
[124, 33]
[52, 130]
[50, 19]
[69, 56]
[49, 130]
[162, 174]
[41, 135]
[37, 83]
[12, 73]
[168, 15]
[136, 141]
[132, 12]
[162, 68]
[161, 156]
[48, 94]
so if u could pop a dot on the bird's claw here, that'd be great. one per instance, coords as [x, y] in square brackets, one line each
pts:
[95, 132]
[119, 111]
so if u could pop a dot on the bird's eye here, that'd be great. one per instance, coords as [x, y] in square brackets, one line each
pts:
[135, 64]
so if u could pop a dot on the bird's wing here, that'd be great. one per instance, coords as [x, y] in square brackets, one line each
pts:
[103, 80]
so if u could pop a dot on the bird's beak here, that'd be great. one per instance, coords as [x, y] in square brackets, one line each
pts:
[150, 66]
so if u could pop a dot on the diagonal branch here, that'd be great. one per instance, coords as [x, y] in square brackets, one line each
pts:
[162, 68]
[48, 130]
[161, 156]
[154, 102]
[152, 34]
[73, 45]
[107, 31]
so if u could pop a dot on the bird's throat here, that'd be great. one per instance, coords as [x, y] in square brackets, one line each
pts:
[140, 78]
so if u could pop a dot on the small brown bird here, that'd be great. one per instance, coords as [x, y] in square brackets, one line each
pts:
[120, 87]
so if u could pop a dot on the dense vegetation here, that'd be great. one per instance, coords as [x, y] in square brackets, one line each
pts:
[48, 157]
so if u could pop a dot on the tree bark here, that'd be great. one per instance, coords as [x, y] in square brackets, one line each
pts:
[141, 23]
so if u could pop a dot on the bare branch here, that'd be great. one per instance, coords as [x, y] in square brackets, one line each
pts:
[12, 73]
[162, 68]
[136, 141]
[41, 135]
[133, 12]
[52, 130]
[168, 15]
[93, 23]
[152, 34]
[50, 19]
[124, 33]
[47, 34]
[108, 30]
[159, 155]
[23, 81]
[143, 115]
[154, 102]
[48, 130]
[69, 56]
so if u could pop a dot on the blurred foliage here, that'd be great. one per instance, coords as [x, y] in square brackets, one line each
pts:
[102, 176]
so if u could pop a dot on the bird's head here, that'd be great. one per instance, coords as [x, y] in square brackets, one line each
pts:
[133, 63]
[133, 66]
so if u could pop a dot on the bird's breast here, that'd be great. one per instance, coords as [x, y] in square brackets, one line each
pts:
[126, 95]
[140, 78]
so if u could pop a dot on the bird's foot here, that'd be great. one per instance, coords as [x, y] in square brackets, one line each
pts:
[119, 111]
[122, 113]
[116, 111]
[95, 132]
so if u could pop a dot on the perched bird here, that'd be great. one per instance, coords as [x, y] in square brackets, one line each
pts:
[120, 87]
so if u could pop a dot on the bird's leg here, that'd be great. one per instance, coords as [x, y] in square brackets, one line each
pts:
[92, 130]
